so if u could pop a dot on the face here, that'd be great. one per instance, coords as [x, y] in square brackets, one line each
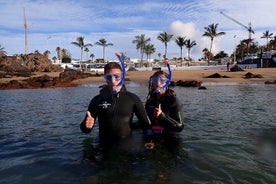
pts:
[113, 77]
[158, 81]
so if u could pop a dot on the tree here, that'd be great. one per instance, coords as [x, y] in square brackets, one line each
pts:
[165, 38]
[102, 42]
[206, 53]
[272, 43]
[92, 57]
[267, 35]
[141, 42]
[149, 50]
[86, 50]
[180, 41]
[220, 55]
[189, 44]
[80, 43]
[211, 31]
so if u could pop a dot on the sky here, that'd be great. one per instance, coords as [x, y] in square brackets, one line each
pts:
[57, 23]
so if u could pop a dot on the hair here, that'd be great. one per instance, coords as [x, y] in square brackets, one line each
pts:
[160, 72]
[112, 65]
[156, 74]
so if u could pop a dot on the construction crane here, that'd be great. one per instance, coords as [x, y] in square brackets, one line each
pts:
[249, 28]
[26, 32]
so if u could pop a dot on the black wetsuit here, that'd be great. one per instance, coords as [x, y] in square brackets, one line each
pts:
[171, 118]
[115, 114]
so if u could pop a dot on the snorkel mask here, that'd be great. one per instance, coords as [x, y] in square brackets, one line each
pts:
[117, 77]
[162, 79]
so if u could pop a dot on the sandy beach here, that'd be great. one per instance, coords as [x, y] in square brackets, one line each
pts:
[268, 74]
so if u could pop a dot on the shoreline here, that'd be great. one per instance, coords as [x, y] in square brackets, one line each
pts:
[268, 74]
[264, 75]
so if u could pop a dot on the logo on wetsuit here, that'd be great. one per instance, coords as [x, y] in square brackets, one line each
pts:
[104, 104]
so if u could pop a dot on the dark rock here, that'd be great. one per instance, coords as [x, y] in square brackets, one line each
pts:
[191, 83]
[270, 82]
[236, 68]
[251, 75]
[217, 75]
[202, 88]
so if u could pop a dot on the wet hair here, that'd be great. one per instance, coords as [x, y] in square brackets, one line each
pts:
[112, 65]
[156, 74]
[160, 72]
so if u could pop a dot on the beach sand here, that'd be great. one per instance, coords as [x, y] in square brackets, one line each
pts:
[268, 74]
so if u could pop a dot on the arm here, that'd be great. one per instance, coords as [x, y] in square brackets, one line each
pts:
[173, 119]
[141, 114]
[88, 123]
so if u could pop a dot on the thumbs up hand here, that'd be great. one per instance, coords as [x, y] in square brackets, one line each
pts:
[89, 122]
[157, 111]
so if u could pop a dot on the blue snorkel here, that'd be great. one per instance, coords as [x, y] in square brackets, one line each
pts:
[123, 73]
[168, 79]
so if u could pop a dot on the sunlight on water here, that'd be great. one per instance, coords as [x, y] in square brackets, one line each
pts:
[229, 137]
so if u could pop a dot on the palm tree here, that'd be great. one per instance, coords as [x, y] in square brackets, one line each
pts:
[165, 38]
[149, 50]
[102, 42]
[180, 41]
[80, 43]
[206, 53]
[141, 42]
[86, 50]
[189, 44]
[267, 35]
[92, 56]
[211, 31]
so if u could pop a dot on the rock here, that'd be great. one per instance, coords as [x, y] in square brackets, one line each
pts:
[191, 83]
[13, 66]
[23, 66]
[202, 88]
[64, 80]
[236, 68]
[251, 75]
[270, 82]
[217, 75]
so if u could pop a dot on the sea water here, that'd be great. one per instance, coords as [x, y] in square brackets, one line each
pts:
[229, 137]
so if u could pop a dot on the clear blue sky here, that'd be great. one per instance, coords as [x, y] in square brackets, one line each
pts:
[54, 23]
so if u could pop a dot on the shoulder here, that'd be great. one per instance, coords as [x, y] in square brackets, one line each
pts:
[132, 96]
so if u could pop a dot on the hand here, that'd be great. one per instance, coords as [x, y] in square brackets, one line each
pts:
[149, 145]
[89, 122]
[157, 111]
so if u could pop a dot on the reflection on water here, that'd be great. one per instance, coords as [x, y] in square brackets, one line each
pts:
[229, 137]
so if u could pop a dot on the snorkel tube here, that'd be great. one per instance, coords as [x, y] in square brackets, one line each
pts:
[123, 73]
[168, 79]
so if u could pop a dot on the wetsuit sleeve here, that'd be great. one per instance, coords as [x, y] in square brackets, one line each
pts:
[141, 114]
[92, 108]
[174, 118]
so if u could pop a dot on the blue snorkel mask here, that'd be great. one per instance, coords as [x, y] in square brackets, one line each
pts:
[118, 77]
[161, 80]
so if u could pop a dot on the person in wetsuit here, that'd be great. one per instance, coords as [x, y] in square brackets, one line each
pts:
[115, 107]
[162, 106]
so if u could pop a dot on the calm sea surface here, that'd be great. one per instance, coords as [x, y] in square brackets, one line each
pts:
[229, 137]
